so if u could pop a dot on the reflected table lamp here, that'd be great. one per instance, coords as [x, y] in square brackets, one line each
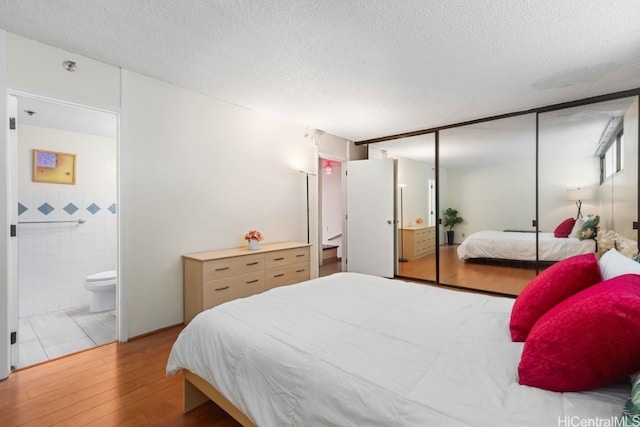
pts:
[578, 195]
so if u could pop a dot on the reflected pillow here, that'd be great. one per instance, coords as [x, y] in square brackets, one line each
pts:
[550, 287]
[564, 228]
[589, 340]
[613, 264]
[575, 232]
[589, 228]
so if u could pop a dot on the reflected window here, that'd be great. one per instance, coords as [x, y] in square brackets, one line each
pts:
[612, 159]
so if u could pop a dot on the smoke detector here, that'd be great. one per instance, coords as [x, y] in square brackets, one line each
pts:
[70, 66]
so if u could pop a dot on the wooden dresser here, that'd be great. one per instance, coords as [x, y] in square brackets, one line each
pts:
[419, 241]
[212, 278]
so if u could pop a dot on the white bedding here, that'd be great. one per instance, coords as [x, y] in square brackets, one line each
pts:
[358, 350]
[522, 246]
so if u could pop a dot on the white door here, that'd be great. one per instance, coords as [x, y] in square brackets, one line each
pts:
[370, 220]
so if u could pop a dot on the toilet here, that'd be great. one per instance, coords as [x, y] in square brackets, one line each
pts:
[103, 291]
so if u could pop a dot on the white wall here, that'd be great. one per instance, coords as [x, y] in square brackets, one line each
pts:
[194, 173]
[556, 176]
[33, 66]
[95, 158]
[498, 197]
[55, 259]
[200, 173]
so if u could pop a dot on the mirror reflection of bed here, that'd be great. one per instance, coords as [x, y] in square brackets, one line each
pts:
[488, 172]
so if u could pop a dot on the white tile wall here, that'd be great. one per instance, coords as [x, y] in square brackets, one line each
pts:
[55, 259]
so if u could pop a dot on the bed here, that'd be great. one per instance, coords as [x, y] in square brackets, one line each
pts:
[355, 350]
[521, 246]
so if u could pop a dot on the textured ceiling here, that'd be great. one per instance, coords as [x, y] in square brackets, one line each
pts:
[356, 69]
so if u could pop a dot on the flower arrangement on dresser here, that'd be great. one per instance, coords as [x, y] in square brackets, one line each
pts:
[419, 220]
[254, 237]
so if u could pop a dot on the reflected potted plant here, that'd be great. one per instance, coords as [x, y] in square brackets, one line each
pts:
[450, 219]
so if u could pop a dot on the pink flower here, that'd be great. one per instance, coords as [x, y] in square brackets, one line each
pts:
[419, 220]
[254, 235]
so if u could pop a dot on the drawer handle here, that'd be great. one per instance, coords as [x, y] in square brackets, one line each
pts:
[253, 263]
[252, 281]
[278, 259]
[279, 275]
[300, 255]
[222, 268]
[300, 271]
[222, 289]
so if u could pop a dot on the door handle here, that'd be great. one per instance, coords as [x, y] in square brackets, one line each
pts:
[389, 222]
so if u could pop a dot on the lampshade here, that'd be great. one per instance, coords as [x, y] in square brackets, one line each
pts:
[580, 194]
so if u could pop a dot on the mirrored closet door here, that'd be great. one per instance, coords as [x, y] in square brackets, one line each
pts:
[588, 176]
[511, 184]
[415, 203]
[488, 175]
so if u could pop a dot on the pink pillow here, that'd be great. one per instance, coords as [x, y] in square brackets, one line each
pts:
[548, 288]
[589, 340]
[565, 228]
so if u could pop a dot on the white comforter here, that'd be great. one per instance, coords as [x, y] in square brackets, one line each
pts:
[522, 246]
[357, 350]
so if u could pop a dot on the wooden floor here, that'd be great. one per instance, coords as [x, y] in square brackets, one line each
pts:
[500, 279]
[453, 271]
[118, 384]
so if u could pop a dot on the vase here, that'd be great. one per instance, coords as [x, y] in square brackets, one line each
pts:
[254, 245]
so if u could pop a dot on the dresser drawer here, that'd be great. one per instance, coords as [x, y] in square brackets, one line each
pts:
[419, 234]
[215, 292]
[422, 243]
[287, 256]
[227, 267]
[287, 274]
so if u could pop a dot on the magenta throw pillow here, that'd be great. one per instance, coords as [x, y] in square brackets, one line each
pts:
[550, 287]
[589, 340]
[564, 228]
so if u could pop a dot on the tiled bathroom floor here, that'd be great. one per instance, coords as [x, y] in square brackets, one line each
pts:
[51, 335]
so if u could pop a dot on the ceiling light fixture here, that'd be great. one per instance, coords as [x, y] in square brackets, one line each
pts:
[70, 66]
[30, 112]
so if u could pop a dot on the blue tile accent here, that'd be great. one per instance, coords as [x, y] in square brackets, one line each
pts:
[46, 208]
[93, 208]
[22, 208]
[112, 208]
[70, 208]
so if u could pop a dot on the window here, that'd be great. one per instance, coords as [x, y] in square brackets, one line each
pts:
[612, 159]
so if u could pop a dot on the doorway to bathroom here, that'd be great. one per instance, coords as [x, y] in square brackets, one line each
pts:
[65, 192]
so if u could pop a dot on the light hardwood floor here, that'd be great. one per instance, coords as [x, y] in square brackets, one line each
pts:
[501, 279]
[118, 384]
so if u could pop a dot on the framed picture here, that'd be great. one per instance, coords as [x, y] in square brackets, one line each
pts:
[54, 167]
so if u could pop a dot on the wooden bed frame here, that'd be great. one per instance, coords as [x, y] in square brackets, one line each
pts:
[198, 391]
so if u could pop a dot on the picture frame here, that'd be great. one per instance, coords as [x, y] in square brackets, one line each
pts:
[54, 167]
